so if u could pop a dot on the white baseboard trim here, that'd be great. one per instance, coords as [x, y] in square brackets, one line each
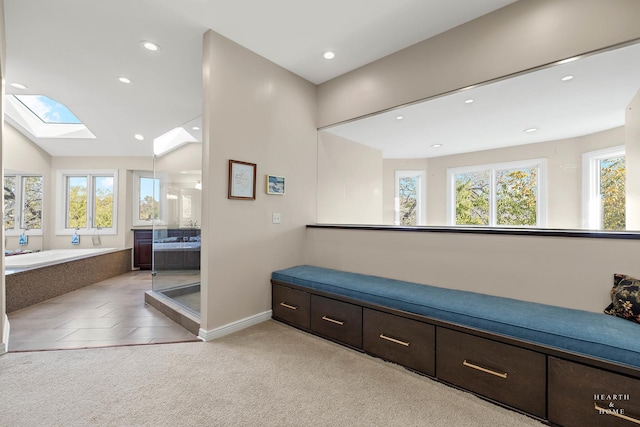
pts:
[4, 345]
[234, 326]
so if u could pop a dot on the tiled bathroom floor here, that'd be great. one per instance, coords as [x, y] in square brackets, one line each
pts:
[108, 313]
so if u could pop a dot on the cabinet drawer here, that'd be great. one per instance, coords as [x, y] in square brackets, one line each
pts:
[291, 306]
[580, 395]
[505, 373]
[338, 320]
[400, 340]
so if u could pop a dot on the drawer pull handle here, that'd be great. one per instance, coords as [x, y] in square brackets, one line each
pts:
[609, 412]
[290, 307]
[488, 371]
[404, 343]
[328, 319]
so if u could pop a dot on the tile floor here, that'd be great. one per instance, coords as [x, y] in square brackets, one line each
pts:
[108, 313]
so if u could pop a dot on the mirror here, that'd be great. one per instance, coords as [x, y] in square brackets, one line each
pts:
[550, 148]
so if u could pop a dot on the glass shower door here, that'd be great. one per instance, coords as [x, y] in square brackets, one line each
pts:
[176, 235]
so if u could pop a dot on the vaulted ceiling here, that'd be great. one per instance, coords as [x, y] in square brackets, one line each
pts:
[75, 52]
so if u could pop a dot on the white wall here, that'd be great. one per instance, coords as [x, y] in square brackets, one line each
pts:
[562, 271]
[257, 112]
[349, 182]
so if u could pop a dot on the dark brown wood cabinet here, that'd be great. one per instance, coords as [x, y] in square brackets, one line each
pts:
[581, 395]
[291, 306]
[164, 256]
[502, 372]
[555, 386]
[143, 249]
[404, 341]
[337, 320]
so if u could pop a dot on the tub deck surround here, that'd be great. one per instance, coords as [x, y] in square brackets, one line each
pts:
[499, 348]
[40, 282]
[27, 261]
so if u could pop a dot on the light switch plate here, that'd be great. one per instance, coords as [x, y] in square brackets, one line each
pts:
[276, 218]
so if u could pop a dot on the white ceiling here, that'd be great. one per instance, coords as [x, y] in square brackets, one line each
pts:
[74, 50]
[594, 100]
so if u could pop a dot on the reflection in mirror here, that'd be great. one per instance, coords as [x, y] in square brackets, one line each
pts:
[23, 225]
[557, 148]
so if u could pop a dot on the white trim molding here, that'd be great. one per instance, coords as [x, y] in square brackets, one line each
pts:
[4, 345]
[234, 326]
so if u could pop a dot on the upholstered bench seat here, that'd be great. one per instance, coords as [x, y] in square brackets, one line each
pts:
[591, 334]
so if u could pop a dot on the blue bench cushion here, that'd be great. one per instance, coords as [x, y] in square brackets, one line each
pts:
[591, 334]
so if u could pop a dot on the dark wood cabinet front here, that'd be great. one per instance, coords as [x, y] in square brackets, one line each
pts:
[168, 253]
[291, 306]
[400, 340]
[508, 374]
[142, 249]
[337, 320]
[580, 396]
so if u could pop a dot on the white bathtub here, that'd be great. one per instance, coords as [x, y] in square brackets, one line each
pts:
[16, 263]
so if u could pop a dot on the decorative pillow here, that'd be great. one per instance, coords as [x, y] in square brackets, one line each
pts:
[625, 298]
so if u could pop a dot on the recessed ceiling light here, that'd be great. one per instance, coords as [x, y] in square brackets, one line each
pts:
[125, 80]
[399, 117]
[18, 86]
[566, 78]
[195, 128]
[469, 101]
[329, 55]
[138, 137]
[153, 47]
[530, 130]
[436, 145]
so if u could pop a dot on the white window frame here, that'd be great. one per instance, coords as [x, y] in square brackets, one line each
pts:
[137, 222]
[19, 216]
[61, 198]
[541, 200]
[421, 215]
[591, 206]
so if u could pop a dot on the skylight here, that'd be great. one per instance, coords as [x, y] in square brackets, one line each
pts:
[48, 110]
[43, 117]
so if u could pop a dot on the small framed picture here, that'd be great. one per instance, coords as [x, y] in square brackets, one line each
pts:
[275, 185]
[242, 180]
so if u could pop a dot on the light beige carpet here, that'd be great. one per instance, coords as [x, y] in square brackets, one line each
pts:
[267, 375]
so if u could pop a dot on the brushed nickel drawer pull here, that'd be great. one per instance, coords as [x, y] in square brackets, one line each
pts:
[404, 343]
[605, 411]
[290, 307]
[328, 319]
[488, 371]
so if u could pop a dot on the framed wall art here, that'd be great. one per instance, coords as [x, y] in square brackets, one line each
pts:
[242, 180]
[275, 185]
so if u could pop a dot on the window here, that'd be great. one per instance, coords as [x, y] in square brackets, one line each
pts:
[604, 189]
[410, 197]
[44, 117]
[88, 201]
[23, 203]
[505, 194]
[146, 206]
